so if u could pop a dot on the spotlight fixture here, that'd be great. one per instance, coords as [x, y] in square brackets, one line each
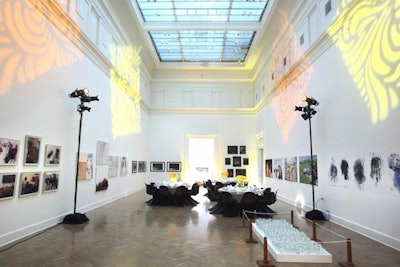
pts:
[296, 108]
[82, 108]
[310, 100]
[86, 98]
[79, 93]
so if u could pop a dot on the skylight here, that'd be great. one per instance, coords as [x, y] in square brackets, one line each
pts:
[201, 30]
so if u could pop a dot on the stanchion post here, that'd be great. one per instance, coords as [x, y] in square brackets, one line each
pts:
[251, 239]
[264, 262]
[243, 220]
[349, 255]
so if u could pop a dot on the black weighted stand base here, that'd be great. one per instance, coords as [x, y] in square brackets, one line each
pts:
[315, 215]
[75, 218]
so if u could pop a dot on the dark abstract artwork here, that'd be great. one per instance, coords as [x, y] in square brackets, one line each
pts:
[358, 169]
[333, 171]
[394, 165]
[344, 167]
[376, 168]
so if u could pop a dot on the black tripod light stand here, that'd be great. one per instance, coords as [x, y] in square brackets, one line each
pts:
[307, 112]
[82, 94]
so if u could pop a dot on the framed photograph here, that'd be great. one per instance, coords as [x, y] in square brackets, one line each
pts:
[242, 149]
[230, 172]
[123, 170]
[7, 185]
[134, 166]
[268, 168]
[232, 150]
[113, 166]
[50, 181]
[245, 161]
[157, 166]
[101, 178]
[32, 150]
[85, 166]
[9, 151]
[142, 166]
[241, 172]
[52, 155]
[227, 161]
[29, 183]
[237, 161]
[174, 166]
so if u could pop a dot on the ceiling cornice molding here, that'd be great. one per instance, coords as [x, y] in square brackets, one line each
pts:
[204, 111]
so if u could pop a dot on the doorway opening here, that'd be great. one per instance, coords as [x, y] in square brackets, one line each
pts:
[200, 159]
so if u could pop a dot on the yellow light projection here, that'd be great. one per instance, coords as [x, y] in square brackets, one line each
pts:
[290, 88]
[29, 45]
[368, 34]
[125, 90]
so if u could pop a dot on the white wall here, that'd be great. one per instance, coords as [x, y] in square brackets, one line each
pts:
[36, 102]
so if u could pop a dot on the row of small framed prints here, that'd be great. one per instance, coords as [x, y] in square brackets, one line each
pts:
[10, 149]
[29, 183]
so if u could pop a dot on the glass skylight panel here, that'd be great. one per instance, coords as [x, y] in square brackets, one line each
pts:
[206, 44]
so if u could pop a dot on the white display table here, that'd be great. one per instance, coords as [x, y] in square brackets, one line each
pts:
[287, 244]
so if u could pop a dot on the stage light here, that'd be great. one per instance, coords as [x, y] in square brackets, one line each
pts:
[82, 108]
[305, 116]
[310, 100]
[86, 98]
[296, 108]
[79, 93]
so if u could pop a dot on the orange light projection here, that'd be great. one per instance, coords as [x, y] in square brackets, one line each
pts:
[29, 45]
[368, 35]
[289, 90]
[125, 90]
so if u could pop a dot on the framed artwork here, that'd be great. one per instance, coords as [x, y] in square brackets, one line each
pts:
[232, 149]
[102, 153]
[157, 166]
[305, 169]
[174, 166]
[113, 166]
[268, 168]
[101, 178]
[52, 155]
[245, 161]
[241, 172]
[85, 166]
[29, 183]
[123, 170]
[230, 172]
[134, 166]
[291, 169]
[9, 151]
[50, 181]
[242, 149]
[277, 168]
[32, 150]
[227, 161]
[237, 161]
[7, 185]
[142, 166]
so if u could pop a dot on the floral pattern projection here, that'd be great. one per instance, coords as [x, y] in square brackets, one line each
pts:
[30, 45]
[368, 34]
[289, 87]
[374, 172]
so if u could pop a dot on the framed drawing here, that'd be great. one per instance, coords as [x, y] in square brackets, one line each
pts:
[174, 166]
[123, 170]
[227, 161]
[142, 166]
[232, 149]
[242, 149]
[9, 151]
[134, 167]
[29, 183]
[85, 166]
[102, 153]
[50, 181]
[52, 155]
[7, 185]
[32, 150]
[237, 161]
[113, 166]
[157, 166]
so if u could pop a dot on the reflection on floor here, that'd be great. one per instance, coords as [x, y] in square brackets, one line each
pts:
[129, 233]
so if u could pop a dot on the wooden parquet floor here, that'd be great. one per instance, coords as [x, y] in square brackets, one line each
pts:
[129, 233]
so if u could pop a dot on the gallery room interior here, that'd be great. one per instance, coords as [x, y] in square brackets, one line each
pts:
[145, 91]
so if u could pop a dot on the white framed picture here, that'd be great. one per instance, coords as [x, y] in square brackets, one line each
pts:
[52, 155]
[9, 151]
